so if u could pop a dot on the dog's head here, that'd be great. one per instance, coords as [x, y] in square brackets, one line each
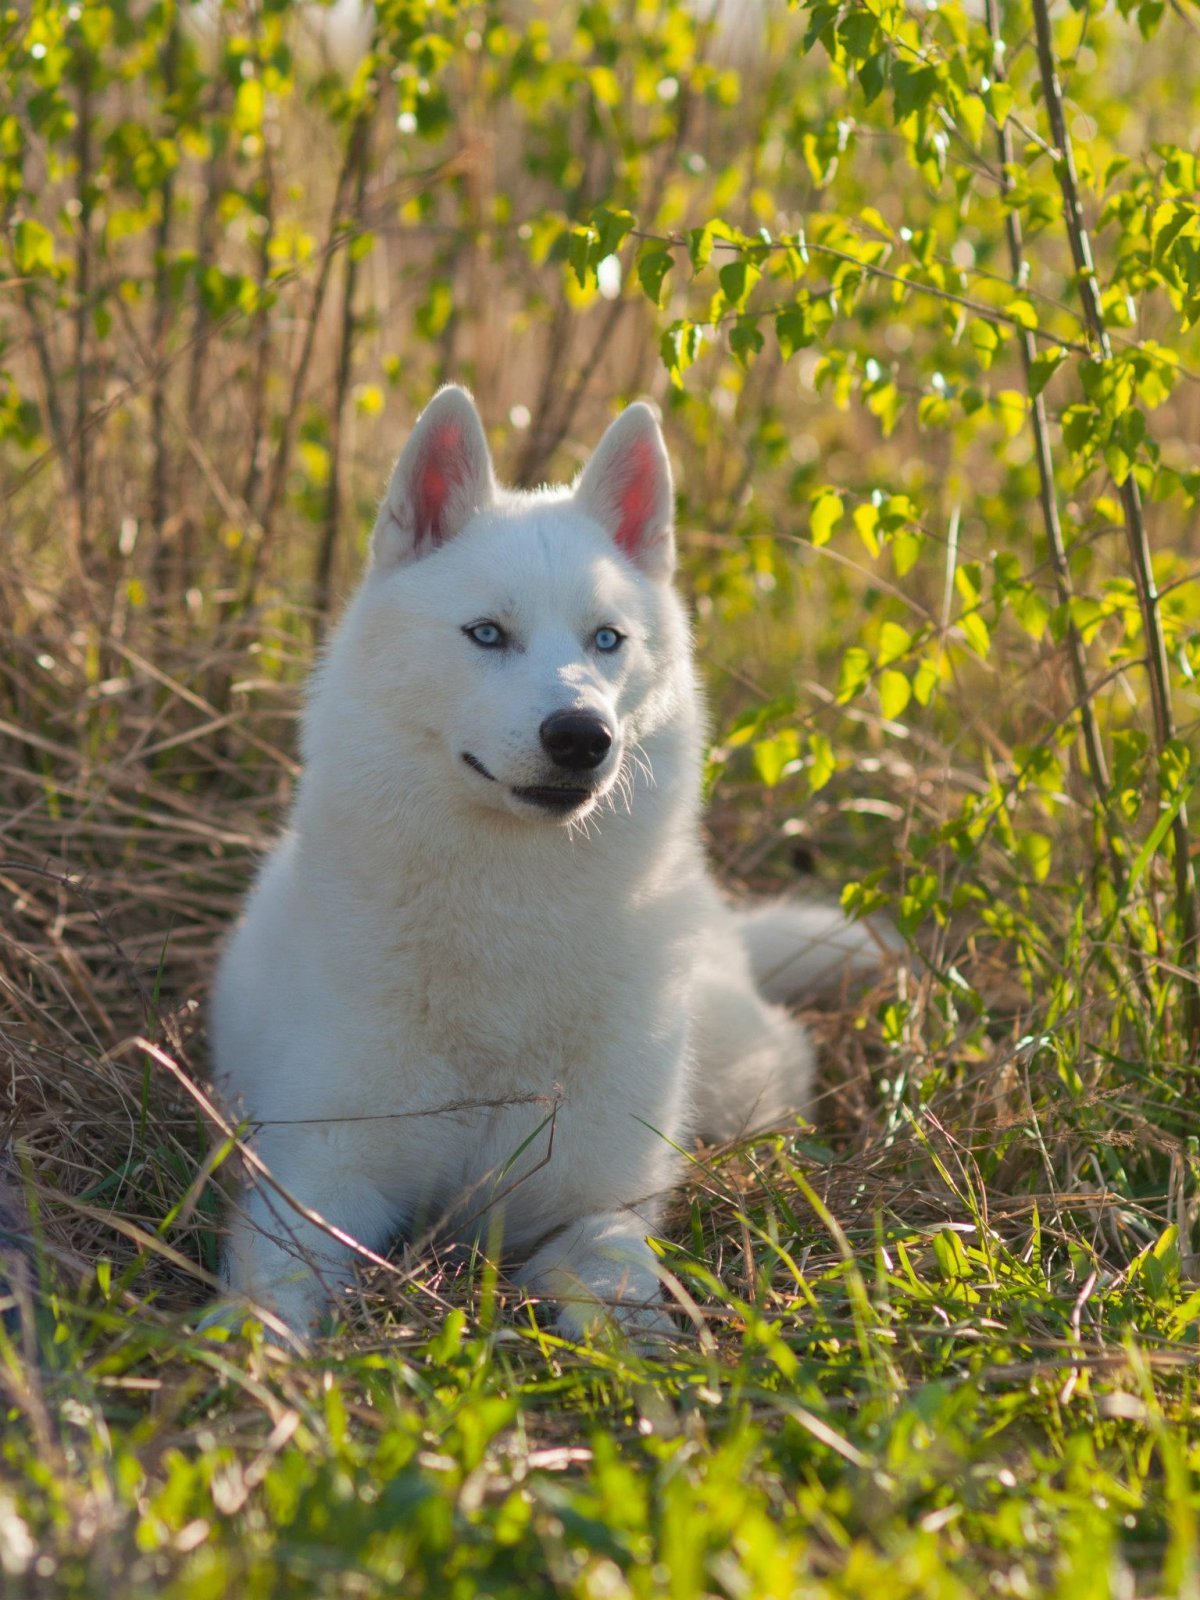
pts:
[530, 641]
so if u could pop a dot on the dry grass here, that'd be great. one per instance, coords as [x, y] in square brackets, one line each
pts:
[1030, 1099]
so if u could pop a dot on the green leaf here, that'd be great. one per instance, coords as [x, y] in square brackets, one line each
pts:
[361, 245]
[824, 516]
[745, 338]
[434, 315]
[737, 278]
[679, 347]
[772, 756]
[895, 643]
[999, 99]
[33, 247]
[581, 256]
[1175, 770]
[854, 673]
[701, 241]
[249, 105]
[1010, 408]
[652, 270]
[872, 75]
[913, 86]
[866, 521]
[885, 401]
[985, 340]
[1037, 852]
[976, 631]
[822, 764]
[612, 228]
[1079, 428]
[906, 551]
[1043, 367]
[925, 681]
[895, 691]
[794, 329]
[606, 86]
[968, 580]
[1149, 15]
[972, 117]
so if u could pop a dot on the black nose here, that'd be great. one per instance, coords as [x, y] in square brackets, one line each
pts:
[577, 740]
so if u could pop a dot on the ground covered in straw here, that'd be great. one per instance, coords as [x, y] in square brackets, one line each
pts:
[939, 503]
[946, 1350]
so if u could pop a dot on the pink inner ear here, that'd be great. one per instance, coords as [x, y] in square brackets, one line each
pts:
[440, 470]
[638, 495]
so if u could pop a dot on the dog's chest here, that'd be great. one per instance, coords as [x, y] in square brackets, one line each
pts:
[531, 987]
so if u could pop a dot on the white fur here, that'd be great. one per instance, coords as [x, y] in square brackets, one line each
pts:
[432, 971]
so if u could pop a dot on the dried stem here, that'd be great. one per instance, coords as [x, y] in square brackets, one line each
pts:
[1093, 744]
[206, 251]
[55, 424]
[261, 334]
[83, 264]
[545, 436]
[323, 574]
[160, 465]
[1135, 527]
[337, 233]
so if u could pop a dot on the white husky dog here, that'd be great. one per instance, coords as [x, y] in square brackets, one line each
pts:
[485, 985]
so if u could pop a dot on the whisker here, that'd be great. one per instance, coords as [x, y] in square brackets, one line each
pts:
[637, 755]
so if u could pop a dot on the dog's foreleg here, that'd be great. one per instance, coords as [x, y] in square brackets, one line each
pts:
[287, 1261]
[600, 1270]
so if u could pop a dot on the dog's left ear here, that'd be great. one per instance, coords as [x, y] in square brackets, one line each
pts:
[626, 487]
[443, 477]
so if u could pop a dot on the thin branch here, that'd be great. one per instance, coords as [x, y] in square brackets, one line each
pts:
[261, 331]
[83, 259]
[56, 426]
[160, 324]
[1135, 527]
[1093, 744]
[337, 232]
[360, 141]
[871, 269]
[544, 438]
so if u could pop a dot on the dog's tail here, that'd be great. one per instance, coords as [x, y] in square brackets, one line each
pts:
[800, 950]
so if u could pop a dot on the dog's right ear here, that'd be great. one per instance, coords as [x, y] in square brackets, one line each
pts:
[626, 487]
[443, 477]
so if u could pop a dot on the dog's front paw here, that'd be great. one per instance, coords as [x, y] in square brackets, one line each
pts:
[231, 1315]
[646, 1324]
[604, 1277]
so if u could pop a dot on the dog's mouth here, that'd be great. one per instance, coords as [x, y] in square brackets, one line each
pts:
[554, 797]
[558, 799]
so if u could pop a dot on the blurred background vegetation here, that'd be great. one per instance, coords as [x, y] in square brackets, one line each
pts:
[246, 242]
[916, 287]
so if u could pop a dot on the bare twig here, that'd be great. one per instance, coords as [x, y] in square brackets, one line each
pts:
[77, 886]
[83, 260]
[1135, 527]
[159, 487]
[360, 143]
[261, 330]
[1093, 744]
[339, 231]
[545, 436]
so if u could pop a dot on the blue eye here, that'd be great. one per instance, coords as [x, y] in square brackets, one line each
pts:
[607, 639]
[488, 635]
